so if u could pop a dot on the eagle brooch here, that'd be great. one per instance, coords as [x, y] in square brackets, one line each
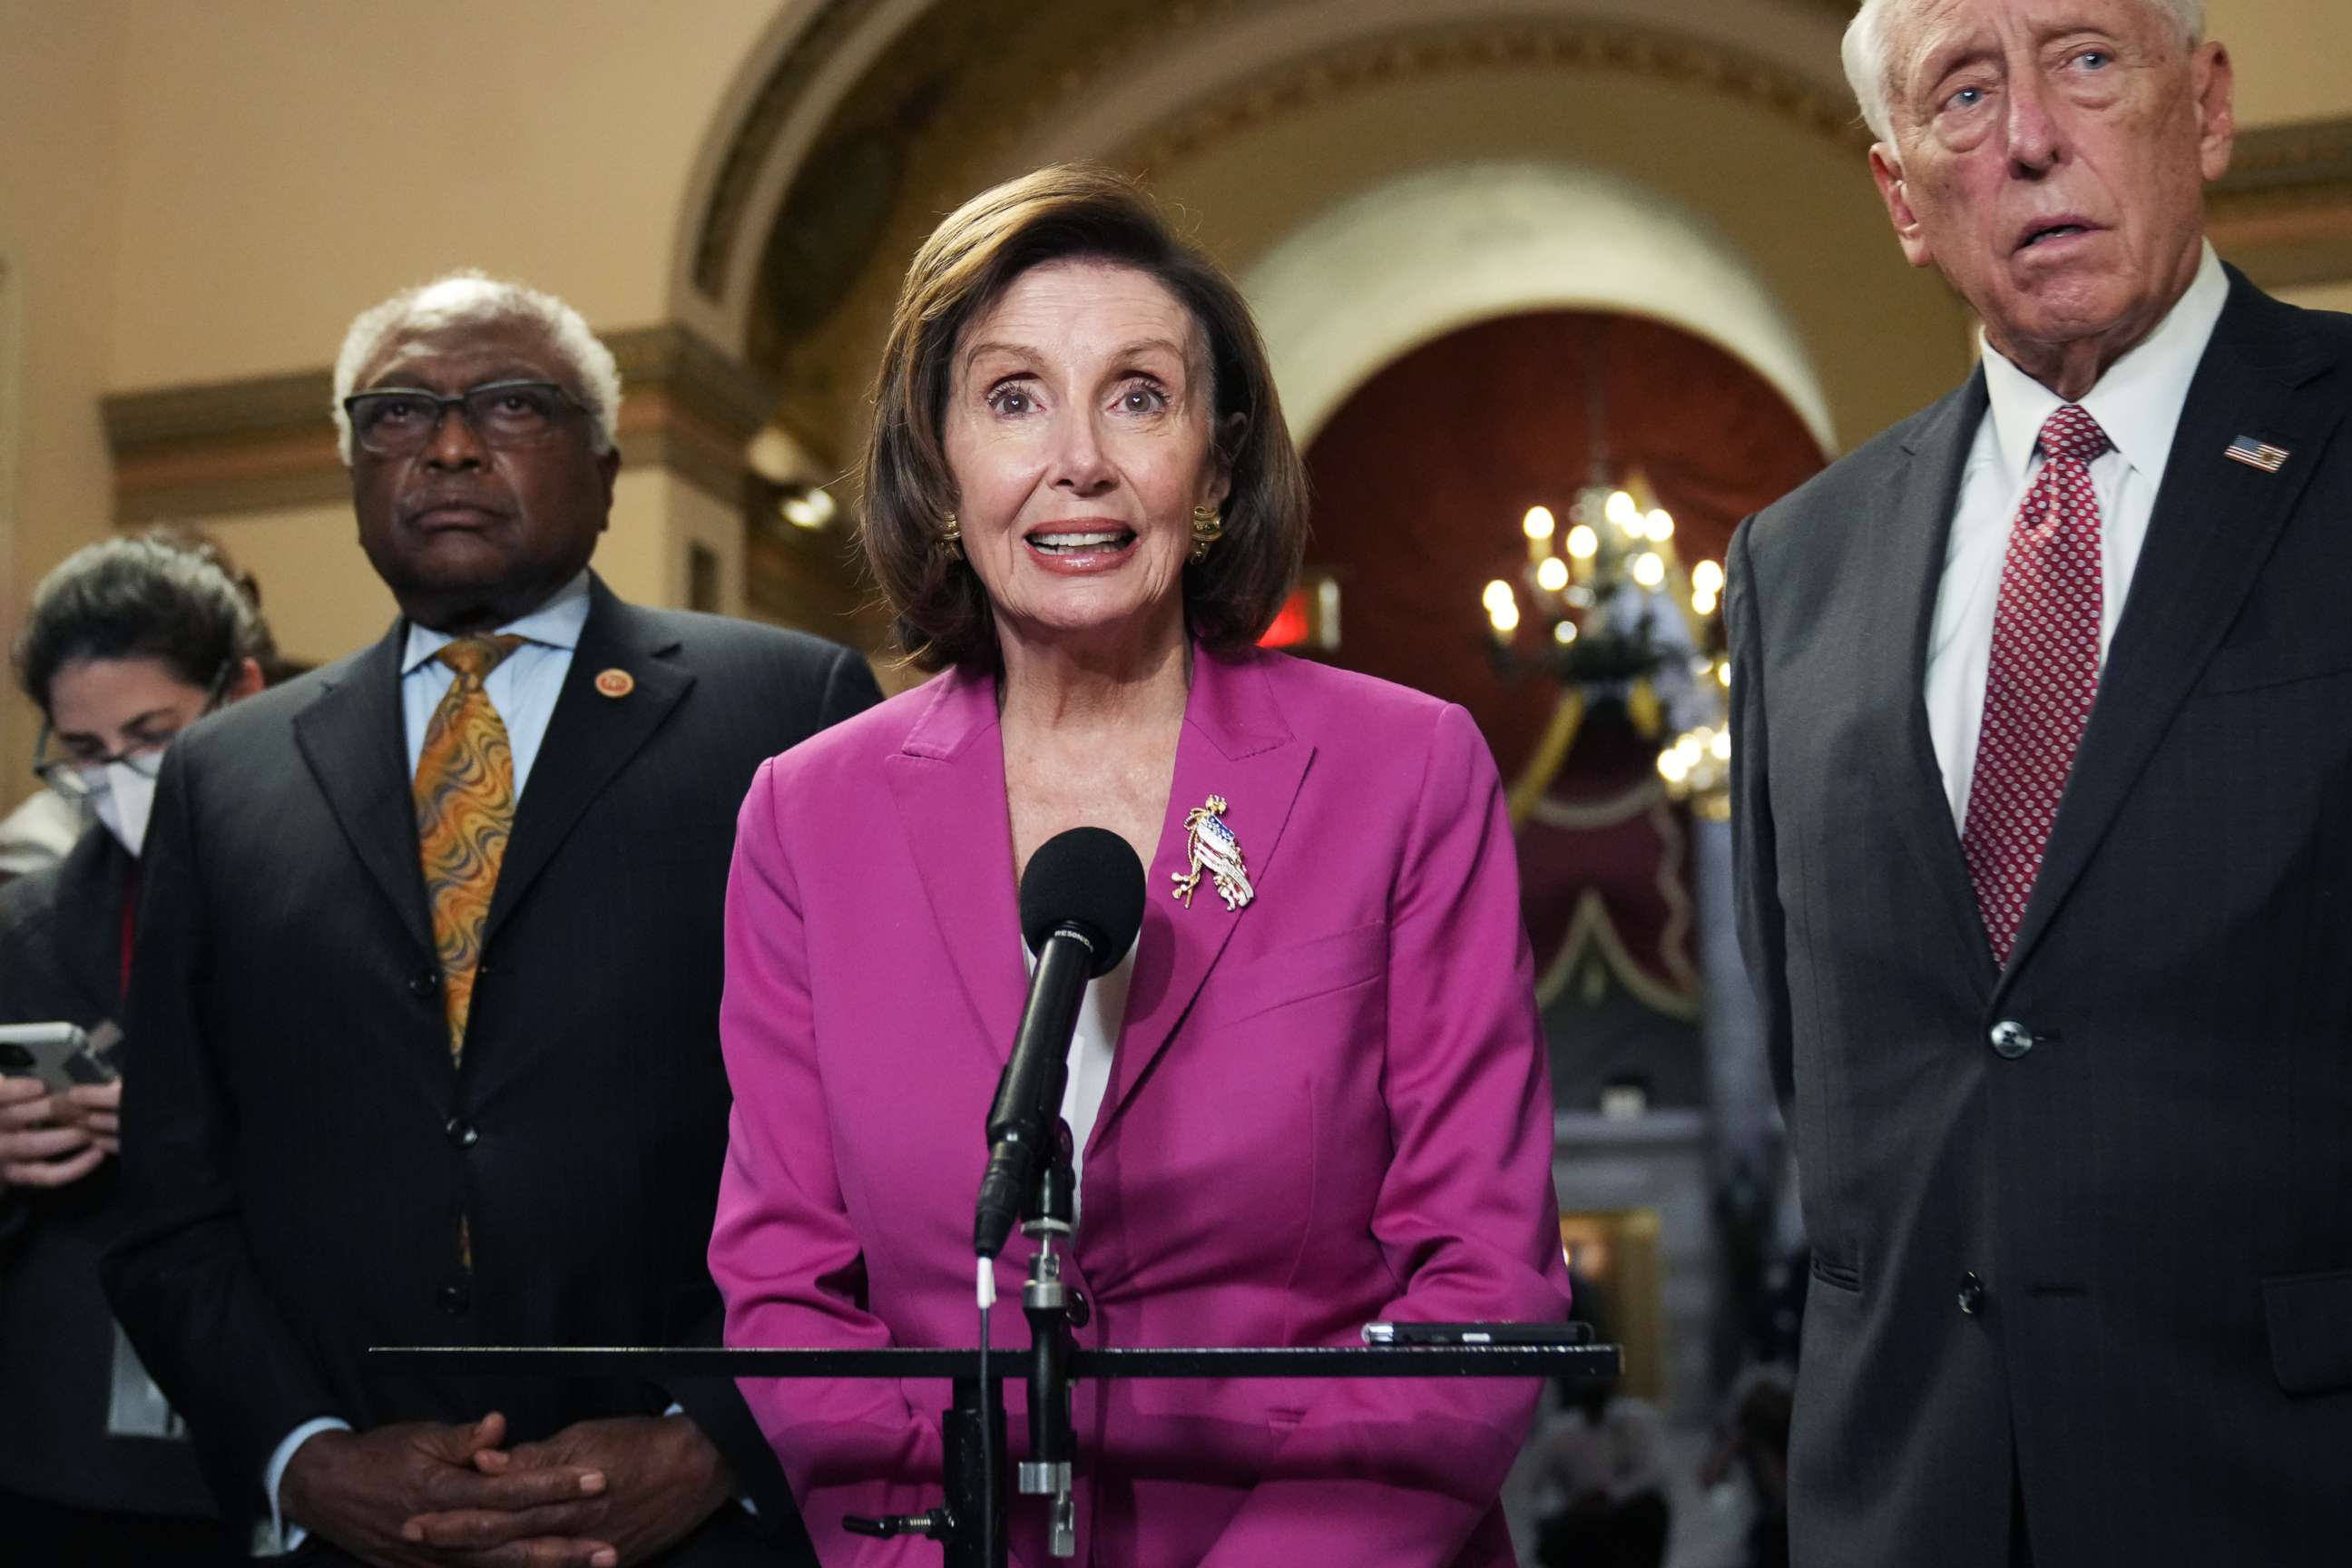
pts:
[1210, 846]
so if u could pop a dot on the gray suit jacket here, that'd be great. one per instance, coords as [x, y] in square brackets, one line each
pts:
[2110, 1261]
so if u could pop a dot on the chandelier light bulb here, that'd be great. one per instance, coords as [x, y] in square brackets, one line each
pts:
[1660, 527]
[1564, 633]
[1582, 542]
[1497, 595]
[1504, 617]
[1551, 575]
[1621, 509]
[1708, 577]
[1539, 522]
[1649, 570]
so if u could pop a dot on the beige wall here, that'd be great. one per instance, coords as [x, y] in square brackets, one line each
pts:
[204, 191]
[60, 69]
[657, 518]
[2294, 58]
[2321, 297]
[286, 162]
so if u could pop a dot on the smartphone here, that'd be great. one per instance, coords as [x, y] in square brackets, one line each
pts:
[1478, 1333]
[59, 1055]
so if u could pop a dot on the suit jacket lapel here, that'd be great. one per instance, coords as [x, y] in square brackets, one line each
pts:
[351, 739]
[947, 781]
[2213, 526]
[1906, 564]
[1235, 743]
[589, 738]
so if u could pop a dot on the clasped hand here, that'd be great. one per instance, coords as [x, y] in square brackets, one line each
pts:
[596, 1495]
[55, 1140]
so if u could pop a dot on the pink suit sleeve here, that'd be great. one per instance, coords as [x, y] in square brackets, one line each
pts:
[783, 1250]
[1399, 1474]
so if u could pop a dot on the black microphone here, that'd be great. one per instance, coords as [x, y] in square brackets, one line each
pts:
[1081, 905]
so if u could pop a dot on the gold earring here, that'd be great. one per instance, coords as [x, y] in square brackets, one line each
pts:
[952, 537]
[1207, 528]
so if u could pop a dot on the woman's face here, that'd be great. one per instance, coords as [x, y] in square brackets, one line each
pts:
[1078, 433]
[115, 707]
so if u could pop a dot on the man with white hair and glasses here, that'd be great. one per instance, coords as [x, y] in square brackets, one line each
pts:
[426, 1000]
[2043, 748]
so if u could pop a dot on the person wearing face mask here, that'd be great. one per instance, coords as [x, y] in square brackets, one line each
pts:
[129, 642]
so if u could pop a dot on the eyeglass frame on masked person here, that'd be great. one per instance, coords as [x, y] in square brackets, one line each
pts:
[145, 758]
[480, 417]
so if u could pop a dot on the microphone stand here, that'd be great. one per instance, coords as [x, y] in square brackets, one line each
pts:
[971, 1524]
[1052, 1310]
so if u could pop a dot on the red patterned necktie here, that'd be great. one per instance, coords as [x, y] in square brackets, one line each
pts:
[464, 810]
[2044, 675]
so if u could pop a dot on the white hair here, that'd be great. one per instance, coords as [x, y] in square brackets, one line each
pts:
[1869, 53]
[472, 298]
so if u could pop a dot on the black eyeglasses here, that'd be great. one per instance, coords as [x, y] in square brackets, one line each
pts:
[79, 779]
[396, 422]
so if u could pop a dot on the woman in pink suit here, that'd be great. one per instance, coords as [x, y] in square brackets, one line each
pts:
[1313, 1094]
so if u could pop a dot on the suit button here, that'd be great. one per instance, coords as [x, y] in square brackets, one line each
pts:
[455, 1300]
[2011, 1039]
[424, 984]
[462, 1132]
[1972, 1295]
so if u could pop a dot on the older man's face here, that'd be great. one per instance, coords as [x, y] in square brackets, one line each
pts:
[468, 534]
[2050, 158]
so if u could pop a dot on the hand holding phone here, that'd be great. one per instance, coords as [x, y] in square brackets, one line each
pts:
[48, 1139]
[59, 1055]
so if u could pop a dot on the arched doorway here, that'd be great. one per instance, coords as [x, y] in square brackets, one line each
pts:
[1421, 475]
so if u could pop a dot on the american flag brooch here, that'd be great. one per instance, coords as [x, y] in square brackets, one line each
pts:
[1210, 846]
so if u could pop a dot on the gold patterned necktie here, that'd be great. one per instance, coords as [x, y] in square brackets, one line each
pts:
[464, 810]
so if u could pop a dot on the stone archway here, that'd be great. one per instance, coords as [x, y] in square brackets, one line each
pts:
[1411, 260]
[1065, 82]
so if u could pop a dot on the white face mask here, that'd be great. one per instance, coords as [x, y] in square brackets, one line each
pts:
[125, 804]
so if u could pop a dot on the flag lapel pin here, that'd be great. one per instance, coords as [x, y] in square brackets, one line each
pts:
[2256, 454]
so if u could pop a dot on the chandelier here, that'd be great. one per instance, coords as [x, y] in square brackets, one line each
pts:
[1608, 609]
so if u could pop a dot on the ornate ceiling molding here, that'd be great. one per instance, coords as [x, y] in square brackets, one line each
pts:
[719, 233]
[268, 442]
[1564, 45]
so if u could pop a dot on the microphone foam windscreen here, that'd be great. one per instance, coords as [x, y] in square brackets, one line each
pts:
[1088, 878]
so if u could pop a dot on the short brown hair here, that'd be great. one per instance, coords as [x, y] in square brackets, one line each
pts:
[940, 610]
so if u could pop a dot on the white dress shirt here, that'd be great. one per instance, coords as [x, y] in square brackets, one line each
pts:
[523, 688]
[1102, 1013]
[2137, 403]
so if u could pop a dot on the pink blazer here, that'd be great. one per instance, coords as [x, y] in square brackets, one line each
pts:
[1330, 1106]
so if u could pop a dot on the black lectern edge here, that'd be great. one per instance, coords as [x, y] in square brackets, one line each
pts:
[1593, 1363]
[973, 1426]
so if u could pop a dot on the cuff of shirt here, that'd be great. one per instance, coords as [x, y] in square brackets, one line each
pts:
[745, 1503]
[284, 1536]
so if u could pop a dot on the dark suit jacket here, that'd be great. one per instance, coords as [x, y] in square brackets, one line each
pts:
[298, 1148]
[61, 960]
[2150, 1187]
